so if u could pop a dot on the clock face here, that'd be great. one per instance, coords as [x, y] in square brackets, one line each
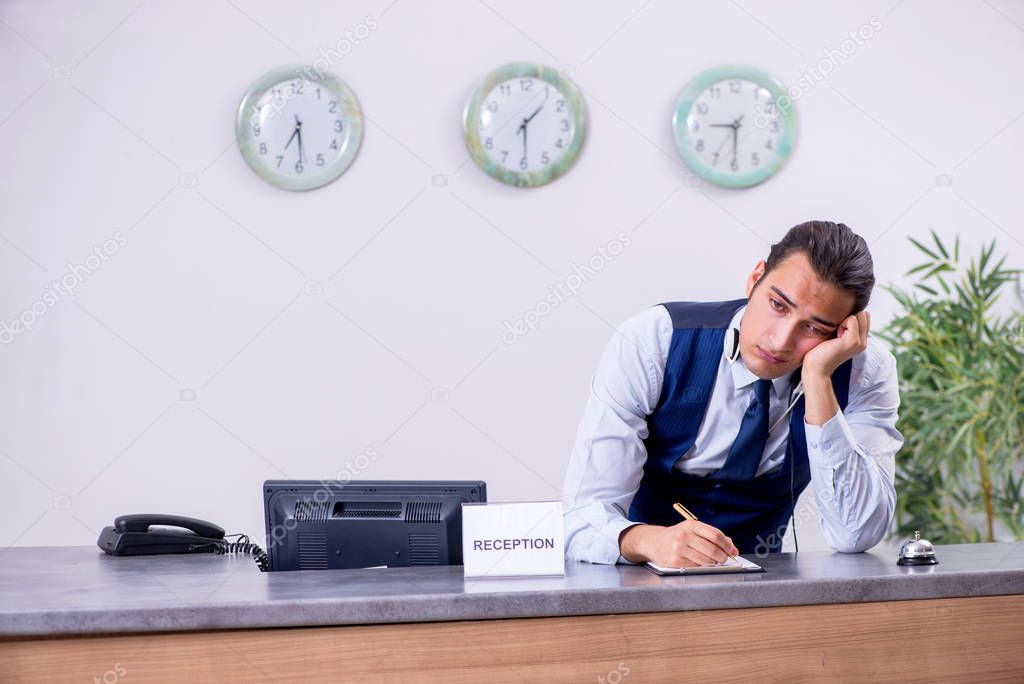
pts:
[524, 124]
[734, 126]
[298, 128]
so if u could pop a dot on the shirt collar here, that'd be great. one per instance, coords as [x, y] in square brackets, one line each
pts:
[742, 376]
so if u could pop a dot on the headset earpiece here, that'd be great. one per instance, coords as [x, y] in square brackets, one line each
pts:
[732, 344]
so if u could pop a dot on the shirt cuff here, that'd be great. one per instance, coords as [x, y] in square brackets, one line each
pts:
[829, 445]
[612, 531]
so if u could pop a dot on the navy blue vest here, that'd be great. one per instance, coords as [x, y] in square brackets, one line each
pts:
[754, 513]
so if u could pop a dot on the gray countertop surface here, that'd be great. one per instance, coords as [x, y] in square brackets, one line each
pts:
[79, 589]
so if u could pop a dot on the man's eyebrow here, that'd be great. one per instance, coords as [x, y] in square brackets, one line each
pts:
[789, 301]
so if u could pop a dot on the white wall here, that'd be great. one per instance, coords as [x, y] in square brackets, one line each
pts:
[107, 109]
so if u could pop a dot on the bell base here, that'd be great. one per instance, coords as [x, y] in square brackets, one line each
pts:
[917, 561]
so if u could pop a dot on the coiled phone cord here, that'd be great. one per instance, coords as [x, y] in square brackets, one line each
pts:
[242, 546]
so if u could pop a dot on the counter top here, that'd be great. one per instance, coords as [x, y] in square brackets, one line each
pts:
[79, 590]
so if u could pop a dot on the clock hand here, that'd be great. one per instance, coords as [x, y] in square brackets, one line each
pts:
[724, 140]
[522, 129]
[735, 132]
[294, 133]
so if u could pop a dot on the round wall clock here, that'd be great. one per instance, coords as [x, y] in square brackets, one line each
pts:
[524, 124]
[734, 126]
[299, 128]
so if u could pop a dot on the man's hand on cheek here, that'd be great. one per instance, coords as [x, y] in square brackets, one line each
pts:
[851, 339]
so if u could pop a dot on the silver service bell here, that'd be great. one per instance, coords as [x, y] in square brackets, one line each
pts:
[917, 551]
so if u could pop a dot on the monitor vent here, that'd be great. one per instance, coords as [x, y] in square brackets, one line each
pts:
[424, 549]
[312, 551]
[311, 511]
[367, 509]
[423, 511]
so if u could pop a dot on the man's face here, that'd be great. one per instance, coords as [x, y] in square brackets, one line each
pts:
[790, 312]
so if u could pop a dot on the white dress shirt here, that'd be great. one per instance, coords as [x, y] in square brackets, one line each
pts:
[852, 456]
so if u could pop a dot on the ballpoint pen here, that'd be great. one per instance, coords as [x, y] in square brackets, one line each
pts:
[683, 511]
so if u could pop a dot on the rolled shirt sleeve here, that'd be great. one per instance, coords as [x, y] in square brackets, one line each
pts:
[853, 456]
[608, 456]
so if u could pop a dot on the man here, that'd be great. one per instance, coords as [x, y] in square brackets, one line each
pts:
[731, 408]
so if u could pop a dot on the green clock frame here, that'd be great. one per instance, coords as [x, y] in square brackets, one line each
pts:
[471, 117]
[349, 109]
[685, 143]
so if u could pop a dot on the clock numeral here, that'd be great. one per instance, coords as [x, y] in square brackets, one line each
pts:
[320, 160]
[734, 165]
[560, 106]
[694, 126]
[755, 160]
[702, 107]
[565, 125]
[504, 89]
[489, 143]
[715, 92]
[332, 106]
[774, 128]
[334, 143]
[279, 160]
[558, 143]
[492, 105]
[256, 130]
[700, 145]
[522, 163]
[263, 148]
[275, 92]
[714, 158]
[298, 167]
[525, 85]
[735, 86]
[337, 125]
[299, 87]
[318, 93]
[504, 156]
[544, 158]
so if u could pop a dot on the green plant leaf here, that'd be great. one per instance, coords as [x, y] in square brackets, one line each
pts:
[924, 249]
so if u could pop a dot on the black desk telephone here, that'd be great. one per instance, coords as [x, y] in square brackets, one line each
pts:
[144, 534]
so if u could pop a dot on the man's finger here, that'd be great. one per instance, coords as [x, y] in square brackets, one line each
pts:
[715, 553]
[865, 327]
[853, 326]
[715, 536]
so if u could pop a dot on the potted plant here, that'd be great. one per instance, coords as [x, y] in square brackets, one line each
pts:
[961, 367]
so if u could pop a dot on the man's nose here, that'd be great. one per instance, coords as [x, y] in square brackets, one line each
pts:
[783, 337]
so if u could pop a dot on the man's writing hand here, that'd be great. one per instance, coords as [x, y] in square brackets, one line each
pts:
[685, 545]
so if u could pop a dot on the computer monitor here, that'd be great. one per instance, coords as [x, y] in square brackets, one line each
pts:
[329, 524]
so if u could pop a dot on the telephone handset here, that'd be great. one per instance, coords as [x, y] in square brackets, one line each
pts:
[146, 534]
[141, 522]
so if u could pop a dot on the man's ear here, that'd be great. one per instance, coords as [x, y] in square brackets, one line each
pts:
[755, 275]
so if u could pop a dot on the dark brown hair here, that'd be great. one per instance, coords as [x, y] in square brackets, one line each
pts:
[838, 255]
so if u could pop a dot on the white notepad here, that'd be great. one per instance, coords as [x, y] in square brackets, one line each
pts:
[727, 567]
